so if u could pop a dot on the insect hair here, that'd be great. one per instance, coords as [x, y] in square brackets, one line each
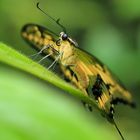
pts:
[56, 20]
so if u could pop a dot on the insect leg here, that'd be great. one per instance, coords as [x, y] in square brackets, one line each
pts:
[36, 55]
[57, 58]
[45, 57]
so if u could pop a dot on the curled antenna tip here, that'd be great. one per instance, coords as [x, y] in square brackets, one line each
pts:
[37, 4]
[57, 21]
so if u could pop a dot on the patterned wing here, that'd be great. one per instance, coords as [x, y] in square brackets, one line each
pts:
[103, 85]
[37, 36]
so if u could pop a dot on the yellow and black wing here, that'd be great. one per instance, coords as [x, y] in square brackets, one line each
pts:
[89, 74]
[103, 86]
[38, 36]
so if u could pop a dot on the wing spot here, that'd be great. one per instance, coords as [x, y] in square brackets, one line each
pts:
[97, 87]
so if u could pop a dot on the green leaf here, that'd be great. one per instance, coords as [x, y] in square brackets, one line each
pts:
[19, 61]
[33, 110]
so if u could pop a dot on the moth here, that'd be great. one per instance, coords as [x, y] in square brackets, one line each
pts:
[85, 71]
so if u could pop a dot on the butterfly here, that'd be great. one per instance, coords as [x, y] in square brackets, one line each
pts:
[81, 68]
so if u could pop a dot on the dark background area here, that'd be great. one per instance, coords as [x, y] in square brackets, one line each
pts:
[110, 30]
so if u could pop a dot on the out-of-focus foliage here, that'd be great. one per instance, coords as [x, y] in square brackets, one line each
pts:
[28, 112]
[108, 29]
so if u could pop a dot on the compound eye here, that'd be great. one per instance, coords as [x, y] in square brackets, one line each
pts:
[64, 36]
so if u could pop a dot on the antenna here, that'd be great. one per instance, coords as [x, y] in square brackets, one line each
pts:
[118, 129]
[57, 21]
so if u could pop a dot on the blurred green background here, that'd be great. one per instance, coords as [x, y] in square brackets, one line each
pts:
[110, 30]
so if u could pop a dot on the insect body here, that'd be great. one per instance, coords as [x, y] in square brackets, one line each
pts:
[85, 71]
